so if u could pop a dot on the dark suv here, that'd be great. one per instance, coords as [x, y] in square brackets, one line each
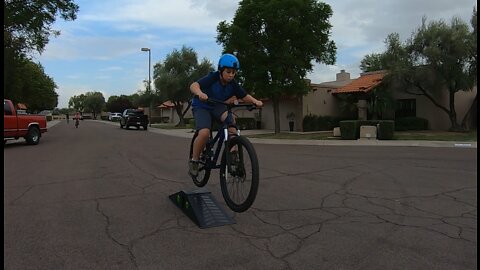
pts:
[134, 117]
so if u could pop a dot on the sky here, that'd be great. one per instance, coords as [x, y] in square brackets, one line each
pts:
[100, 51]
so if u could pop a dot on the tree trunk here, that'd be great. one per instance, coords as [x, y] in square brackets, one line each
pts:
[465, 123]
[276, 114]
[178, 109]
[453, 114]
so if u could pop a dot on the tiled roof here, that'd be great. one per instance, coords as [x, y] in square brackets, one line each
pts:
[167, 104]
[364, 84]
[21, 106]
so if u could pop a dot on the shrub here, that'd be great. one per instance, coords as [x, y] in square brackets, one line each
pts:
[349, 130]
[191, 122]
[308, 122]
[385, 129]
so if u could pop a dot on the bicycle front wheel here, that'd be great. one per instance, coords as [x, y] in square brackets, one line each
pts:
[239, 174]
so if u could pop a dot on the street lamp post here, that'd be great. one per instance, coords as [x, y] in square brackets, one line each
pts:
[149, 84]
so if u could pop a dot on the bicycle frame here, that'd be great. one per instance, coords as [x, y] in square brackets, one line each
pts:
[218, 142]
[220, 139]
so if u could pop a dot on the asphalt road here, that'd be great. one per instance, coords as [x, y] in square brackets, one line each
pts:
[96, 197]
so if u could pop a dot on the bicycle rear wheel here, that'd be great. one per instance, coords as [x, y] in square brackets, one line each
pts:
[203, 166]
[239, 178]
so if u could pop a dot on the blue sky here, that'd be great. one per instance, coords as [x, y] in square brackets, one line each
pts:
[100, 50]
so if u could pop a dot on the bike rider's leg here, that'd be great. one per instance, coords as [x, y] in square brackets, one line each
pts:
[232, 126]
[200, 143]
[202, 125]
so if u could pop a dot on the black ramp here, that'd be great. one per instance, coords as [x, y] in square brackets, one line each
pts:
[201, 207]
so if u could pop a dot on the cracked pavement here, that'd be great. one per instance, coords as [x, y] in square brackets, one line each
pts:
[96, 197]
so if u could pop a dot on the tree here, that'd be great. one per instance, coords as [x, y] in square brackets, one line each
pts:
[94, 102]
[172, 79]
[118, 103]
[276, 43]
[27, 26]
[473, 67]
[77, 102]
[372, 62]
[34, 87]
[439, 57]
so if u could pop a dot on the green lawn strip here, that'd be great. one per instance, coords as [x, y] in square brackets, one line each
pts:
[427, 135]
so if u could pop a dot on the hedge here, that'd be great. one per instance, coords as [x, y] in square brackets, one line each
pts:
[350, 129]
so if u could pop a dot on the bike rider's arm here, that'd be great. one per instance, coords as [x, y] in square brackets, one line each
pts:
[250, 99]
[195, 89]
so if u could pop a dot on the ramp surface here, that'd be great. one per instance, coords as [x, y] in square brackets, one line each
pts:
[201, 207]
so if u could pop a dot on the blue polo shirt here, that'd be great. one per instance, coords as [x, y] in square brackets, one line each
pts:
[212, 86]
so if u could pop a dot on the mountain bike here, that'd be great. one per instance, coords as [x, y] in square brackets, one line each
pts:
[239, 169]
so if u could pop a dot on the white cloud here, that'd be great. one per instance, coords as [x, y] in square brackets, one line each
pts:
[105, 40]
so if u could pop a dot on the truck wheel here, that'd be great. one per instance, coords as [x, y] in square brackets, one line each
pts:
[145, 127]
[127, 126]
[121, 126]
[33, 136]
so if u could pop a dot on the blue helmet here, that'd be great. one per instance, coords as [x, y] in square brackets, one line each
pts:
[228, 61]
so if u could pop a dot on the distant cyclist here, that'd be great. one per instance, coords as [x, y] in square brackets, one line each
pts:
[77, 119]
[219, 85]
[68, 117]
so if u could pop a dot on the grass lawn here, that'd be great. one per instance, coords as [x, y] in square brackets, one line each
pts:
[428, 135]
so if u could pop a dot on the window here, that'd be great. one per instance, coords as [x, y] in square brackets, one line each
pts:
[406, 108]
[6, 108]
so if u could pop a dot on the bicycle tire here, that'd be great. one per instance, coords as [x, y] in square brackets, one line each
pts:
[247, 176]
[204, 170]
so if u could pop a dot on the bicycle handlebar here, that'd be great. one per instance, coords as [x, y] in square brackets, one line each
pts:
[249, 106]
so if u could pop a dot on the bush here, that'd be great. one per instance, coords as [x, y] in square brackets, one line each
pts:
[411, 123]
[191, 122]
[320, 123]
[350, 129]
[308, 122]
[385, 129]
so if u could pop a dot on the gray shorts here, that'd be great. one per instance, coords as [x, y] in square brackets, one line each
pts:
[203, 117]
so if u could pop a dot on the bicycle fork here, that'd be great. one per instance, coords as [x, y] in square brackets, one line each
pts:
[233, 167]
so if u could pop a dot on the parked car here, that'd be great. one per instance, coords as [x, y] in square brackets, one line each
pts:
[115, 116]
[16, 125]
[134, 117]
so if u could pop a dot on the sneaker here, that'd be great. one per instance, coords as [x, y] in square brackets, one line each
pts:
[193, 167]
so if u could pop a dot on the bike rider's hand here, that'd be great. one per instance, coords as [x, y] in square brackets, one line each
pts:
[203, 97]
[258, 103]
[233, 100]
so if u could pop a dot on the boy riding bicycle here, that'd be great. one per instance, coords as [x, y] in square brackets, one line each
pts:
[219, 85]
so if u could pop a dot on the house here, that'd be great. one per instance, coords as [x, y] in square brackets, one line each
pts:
[324, 100]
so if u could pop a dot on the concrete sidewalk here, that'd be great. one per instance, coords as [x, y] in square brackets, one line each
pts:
[188, 133]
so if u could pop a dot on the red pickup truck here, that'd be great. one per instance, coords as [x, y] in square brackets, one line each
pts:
[16, 125]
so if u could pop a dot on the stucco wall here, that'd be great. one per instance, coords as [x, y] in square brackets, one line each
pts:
[437, 118]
